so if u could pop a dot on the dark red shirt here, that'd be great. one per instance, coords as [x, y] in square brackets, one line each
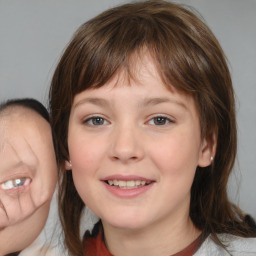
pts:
[95, 247]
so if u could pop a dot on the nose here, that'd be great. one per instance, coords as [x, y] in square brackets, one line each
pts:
[126, 145]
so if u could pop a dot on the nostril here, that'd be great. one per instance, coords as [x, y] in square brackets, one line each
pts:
[125, 158]
[115, 158]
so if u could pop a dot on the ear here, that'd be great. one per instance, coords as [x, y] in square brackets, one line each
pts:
[68, 165]
[208, 150]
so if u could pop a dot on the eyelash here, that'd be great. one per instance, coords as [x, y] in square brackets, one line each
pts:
[102, 121]
[163, 118]
[89, 121]
[15, 183]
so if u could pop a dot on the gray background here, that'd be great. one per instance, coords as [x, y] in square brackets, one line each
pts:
[33, 34]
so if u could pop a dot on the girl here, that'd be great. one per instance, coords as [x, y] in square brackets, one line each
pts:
[143, 111]
[28, 174]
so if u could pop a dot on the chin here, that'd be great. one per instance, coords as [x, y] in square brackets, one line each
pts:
[125, 221]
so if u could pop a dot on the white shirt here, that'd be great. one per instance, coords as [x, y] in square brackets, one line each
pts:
[236, 246]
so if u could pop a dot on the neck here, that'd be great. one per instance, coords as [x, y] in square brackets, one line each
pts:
[165, 238]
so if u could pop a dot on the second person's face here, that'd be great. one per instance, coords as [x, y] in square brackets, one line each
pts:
[28, 177]
[135, 149]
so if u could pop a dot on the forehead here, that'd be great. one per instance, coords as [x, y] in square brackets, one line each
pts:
[143, 72]
[17, 120]
[12, 113]
[25, 136]
[141, 65]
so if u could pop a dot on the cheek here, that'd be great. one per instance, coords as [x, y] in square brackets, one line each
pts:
[177, 155]
[46, 157]
[85, 165]
[50, 169]
[176, 160]
[85, 154]
[46, 174]
[83, 157]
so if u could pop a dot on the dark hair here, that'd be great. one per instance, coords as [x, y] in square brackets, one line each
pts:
[27, 103]
[188, 56]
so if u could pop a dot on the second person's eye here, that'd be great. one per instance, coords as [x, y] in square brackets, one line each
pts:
[11, 184]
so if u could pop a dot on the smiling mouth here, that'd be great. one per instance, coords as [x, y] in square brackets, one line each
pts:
[129, 184]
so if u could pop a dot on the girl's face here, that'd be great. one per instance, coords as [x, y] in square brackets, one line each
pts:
[134, 149]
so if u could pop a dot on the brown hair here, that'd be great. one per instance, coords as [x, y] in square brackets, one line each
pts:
[188, 56]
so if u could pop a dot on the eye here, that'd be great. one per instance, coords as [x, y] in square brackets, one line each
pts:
[15, 183]
[160, 120]
[96, 121]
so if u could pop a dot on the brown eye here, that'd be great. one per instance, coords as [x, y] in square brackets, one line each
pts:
[160, 120]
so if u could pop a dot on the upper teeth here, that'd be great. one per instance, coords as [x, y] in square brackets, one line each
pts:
[128, 183]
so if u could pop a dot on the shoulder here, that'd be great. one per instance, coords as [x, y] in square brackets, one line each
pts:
[42, 248]
[39, 250]
[236, 246]
[239, 245]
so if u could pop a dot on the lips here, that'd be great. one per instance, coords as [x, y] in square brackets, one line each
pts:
[127, 186]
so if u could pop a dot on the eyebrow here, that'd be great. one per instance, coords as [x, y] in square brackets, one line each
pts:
[156, 101]
[145, 103]
[95, 101]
